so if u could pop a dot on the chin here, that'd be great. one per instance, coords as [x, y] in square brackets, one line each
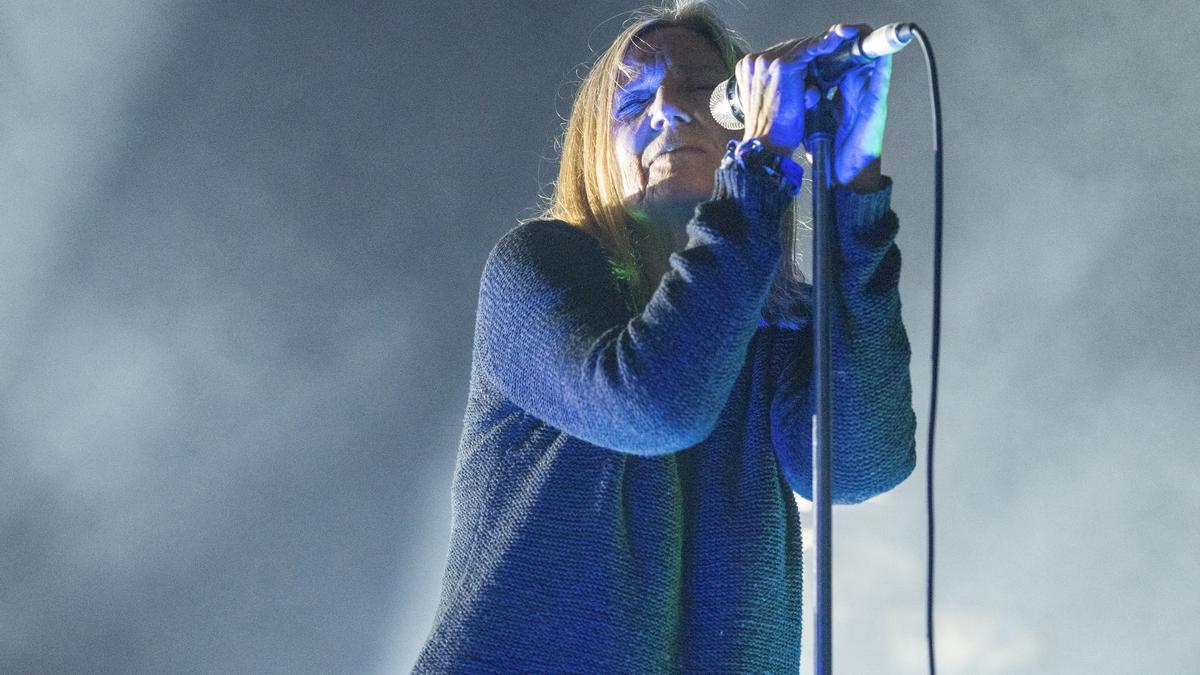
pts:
[681, 188]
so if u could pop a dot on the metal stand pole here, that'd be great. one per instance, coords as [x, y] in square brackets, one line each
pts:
[822, 125]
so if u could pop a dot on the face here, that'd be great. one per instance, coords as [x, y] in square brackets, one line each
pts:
[667, 143]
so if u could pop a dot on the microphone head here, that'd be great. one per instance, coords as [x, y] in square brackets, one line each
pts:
[885, 40]
[725, 107]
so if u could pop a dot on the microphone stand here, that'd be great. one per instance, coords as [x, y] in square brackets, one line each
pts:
[821, 125]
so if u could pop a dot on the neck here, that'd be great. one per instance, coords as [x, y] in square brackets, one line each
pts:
[668, 222]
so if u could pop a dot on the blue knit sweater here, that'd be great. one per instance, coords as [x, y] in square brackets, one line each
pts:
[622, 500]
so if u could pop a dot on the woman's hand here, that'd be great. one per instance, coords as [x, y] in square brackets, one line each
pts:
[775, 95]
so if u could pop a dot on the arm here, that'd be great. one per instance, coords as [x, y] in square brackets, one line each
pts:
[554, 337]
[873, 422]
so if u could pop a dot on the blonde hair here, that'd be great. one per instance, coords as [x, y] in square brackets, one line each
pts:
[588, 193]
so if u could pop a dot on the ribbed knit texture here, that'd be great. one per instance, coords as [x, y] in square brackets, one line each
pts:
[622, 501]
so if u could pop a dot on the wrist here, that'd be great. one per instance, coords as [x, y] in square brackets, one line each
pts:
[775, 145]
[869, 179]
[755, 155]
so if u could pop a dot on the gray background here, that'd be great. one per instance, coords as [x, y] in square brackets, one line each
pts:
[239, 261]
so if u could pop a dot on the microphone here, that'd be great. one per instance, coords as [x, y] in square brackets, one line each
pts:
[826, 70]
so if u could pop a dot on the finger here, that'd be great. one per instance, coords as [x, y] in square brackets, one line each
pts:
[844, 30]
[799, 47]
[869, 81]
[830, 40]
[847, 30]
[877, 85]
[821, 46]
[786, 47]
[812, 96]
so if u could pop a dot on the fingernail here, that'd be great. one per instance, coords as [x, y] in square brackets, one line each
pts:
[811, 96]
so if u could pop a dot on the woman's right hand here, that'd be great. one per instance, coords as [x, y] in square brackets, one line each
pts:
[775, 95]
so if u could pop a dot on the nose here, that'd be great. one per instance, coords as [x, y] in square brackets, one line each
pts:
[666, 109]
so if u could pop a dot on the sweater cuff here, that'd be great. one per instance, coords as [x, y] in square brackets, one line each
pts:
[762, 199]
[863, 223]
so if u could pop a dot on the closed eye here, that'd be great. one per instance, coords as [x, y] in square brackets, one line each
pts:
[632, 106]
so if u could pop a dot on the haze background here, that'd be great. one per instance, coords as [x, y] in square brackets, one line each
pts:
[240, 257]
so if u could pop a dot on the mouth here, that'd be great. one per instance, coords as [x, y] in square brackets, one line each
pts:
[679, 149]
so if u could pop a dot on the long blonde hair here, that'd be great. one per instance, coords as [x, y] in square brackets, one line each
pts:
[588, 192]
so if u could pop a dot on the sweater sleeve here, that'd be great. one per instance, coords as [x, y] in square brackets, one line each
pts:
[554, 336]
[873, 425]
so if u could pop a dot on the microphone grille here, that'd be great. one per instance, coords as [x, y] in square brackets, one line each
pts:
[725, 107]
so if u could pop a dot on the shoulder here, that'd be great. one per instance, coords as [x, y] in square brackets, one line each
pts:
[541, 236]
[547, 258]
[553, 247]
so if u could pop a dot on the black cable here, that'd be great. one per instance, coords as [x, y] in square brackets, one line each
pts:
[936, 102]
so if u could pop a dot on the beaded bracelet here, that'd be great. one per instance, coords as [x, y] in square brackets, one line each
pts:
[753, 154]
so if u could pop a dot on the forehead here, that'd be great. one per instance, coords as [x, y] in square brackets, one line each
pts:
[678, 49]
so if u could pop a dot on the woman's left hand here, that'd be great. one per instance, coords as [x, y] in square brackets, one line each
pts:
[858, 143]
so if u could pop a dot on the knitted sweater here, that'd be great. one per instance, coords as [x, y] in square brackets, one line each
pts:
[623, 495]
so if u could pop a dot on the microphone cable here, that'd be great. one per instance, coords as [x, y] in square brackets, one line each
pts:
[936, 103]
